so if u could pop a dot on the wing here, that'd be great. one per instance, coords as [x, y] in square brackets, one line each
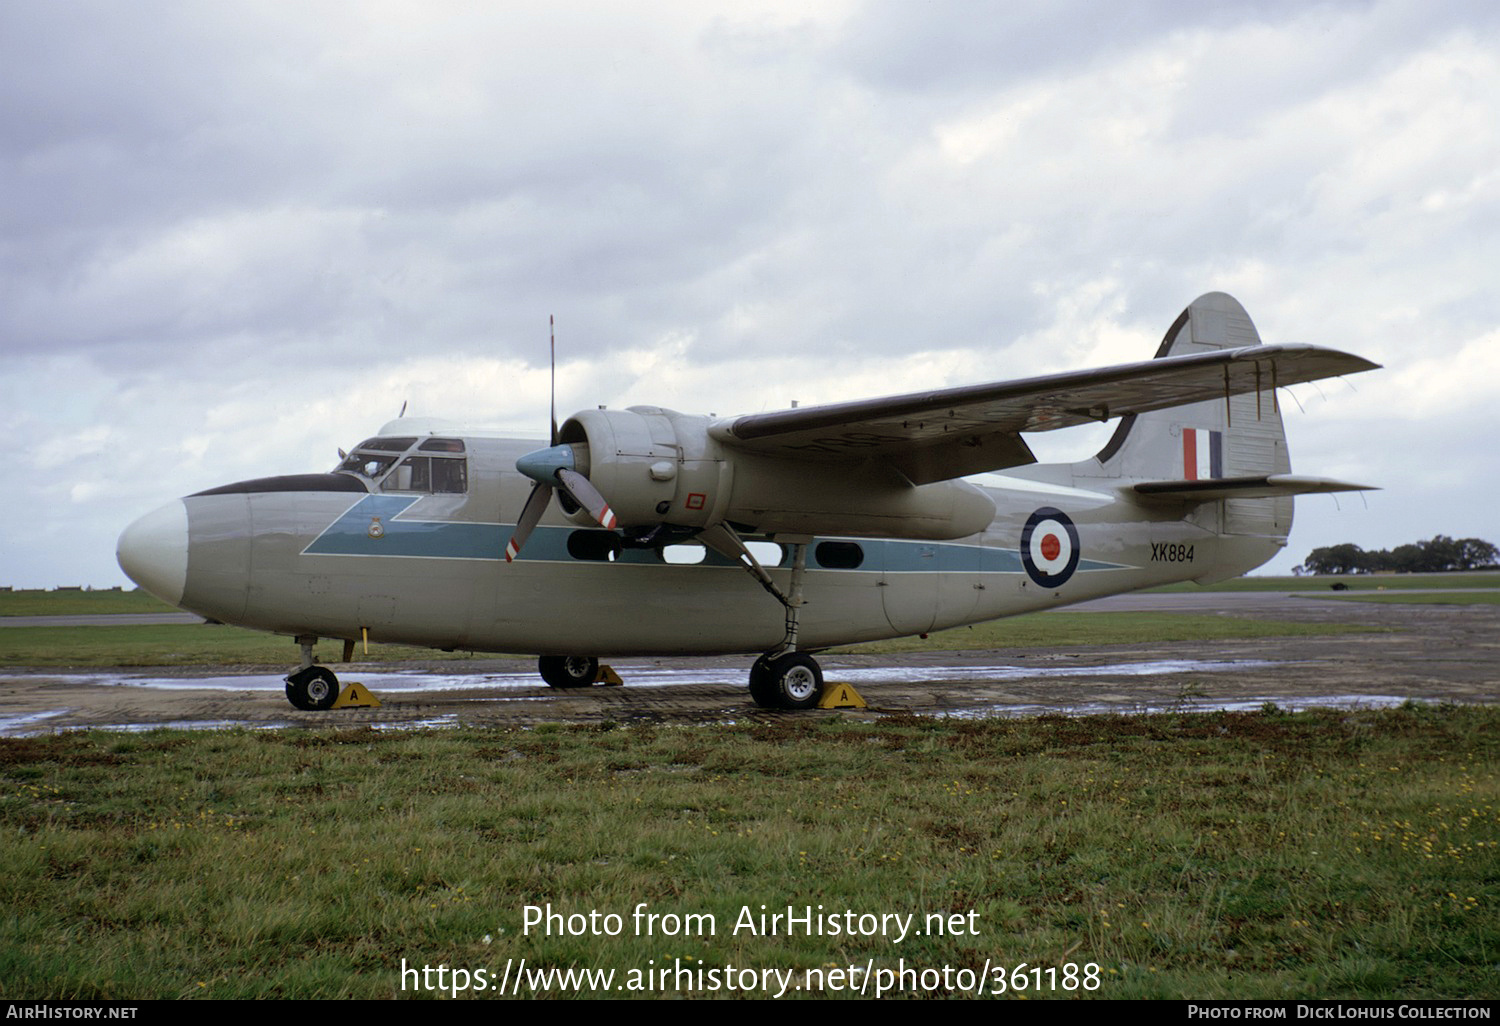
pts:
[933, 436]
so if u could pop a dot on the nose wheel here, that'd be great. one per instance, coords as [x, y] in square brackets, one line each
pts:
[791, 680]
[312, 688]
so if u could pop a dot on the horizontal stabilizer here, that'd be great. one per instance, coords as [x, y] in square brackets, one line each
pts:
[1269, 486]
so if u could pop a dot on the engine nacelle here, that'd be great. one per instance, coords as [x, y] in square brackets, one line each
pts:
[657, 466]
[648, 462]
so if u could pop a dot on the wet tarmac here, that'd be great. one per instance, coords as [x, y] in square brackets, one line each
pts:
[1431, 653]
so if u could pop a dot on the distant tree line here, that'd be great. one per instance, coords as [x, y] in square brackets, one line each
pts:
[1424, 557]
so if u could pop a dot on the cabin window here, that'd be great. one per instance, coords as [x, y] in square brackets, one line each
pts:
[684, 554]
[442, 445]
[839, 555]
[766, 553]
[596, 546]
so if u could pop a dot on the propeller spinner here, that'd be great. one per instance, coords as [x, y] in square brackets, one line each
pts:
[554, 468]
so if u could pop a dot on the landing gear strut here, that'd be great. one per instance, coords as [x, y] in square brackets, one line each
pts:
[782, 678]
[313, 688]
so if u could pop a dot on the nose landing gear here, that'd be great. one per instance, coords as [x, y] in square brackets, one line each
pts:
[312, 688]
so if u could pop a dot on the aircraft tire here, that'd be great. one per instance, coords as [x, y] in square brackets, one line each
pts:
[312, 689]
[568, 671]
[796, 680]
[762, 688]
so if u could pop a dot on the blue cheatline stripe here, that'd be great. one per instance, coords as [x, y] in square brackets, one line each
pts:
[349, 535]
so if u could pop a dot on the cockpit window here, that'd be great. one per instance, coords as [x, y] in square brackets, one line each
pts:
[366, 464]
[435, 475]
[446, 474]
[387, 444]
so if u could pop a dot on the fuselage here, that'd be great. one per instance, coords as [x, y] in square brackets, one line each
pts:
[418, 557]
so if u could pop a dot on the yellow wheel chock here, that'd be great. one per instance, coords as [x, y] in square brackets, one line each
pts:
[355, 696]
[841, 696]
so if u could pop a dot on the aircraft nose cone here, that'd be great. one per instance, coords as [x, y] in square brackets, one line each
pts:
[153, 551]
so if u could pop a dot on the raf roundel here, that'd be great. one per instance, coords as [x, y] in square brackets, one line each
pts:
[1049, 547]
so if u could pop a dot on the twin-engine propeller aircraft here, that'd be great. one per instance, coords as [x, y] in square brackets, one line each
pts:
[778, 533]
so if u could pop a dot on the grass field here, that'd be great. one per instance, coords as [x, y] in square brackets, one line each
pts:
[1070, 630]
[1454, 598]
[1321, 854]
[205, 645]
[1355, 582]
[66, 603]
[177, 645]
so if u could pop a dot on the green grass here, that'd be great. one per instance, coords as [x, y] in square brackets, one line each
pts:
[1355, 582]
[1066, 629]
[67, 603]
[1457, 598]
[214, 645]
[177, 645]
[1265, 855]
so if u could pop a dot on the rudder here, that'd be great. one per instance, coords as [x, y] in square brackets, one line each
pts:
[1238, 437]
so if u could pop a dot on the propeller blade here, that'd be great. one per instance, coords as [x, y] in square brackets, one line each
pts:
[531, 513]
[552, 329]
[587, 496]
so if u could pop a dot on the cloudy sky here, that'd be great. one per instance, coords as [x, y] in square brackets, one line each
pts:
[237, 236]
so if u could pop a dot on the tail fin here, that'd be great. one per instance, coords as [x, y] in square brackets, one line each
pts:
[1205, 452]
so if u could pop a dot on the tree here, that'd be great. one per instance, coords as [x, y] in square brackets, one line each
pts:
[1476, 554]
[1436, 555]
[1336, 559]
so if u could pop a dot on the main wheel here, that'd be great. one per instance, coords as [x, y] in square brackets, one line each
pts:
[568, 671]
[313, 688]
[762, 688]
[795, 679]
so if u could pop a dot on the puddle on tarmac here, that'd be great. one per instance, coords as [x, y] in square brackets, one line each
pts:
[638, 676]
[649, 676]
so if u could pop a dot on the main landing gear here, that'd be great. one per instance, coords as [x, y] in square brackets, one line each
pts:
[791, 680]
[568, 671]
[782, 678]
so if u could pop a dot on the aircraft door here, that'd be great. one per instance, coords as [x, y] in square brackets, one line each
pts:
[928, 585]
[909, 585]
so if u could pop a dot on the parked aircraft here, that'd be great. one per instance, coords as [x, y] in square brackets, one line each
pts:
[780, 533]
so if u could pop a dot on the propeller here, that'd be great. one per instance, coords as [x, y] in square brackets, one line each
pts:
[555, 467]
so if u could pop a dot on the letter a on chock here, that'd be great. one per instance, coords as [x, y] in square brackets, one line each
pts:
[841, 696]
[356, 696]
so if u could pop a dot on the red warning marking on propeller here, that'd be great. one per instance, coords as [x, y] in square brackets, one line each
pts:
[1051, 547]
[607, 519]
